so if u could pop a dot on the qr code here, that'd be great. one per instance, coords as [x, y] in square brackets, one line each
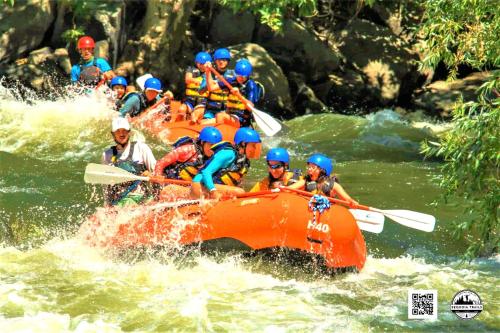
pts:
[422, 304]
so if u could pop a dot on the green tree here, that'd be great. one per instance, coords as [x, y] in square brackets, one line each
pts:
[466, 32]
[272, 13]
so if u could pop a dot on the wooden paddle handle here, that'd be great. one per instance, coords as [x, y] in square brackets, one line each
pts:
[164, 180]
[223, 79]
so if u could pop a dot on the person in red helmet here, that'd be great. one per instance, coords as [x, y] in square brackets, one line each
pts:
[90, 71]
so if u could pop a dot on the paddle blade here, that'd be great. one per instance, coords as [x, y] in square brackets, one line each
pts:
[142, 79]
[368, 221]
[411, 219]
[108, 175]
[266, 123]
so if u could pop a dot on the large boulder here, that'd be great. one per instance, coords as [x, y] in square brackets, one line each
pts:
[295, 48]
[106, 23]
[162, 47]
[439, 97]
[277, 98]
[23, 26]
[385, 61]
[345, 92]
[305, 100]
[223, 32]
[43, 69]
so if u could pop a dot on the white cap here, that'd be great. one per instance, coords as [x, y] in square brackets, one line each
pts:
[120, 123]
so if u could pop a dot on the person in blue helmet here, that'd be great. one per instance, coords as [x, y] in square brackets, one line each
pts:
[228, 164]
[119, 86]
[134, 103]
[243, 86]
[319, 179]
[90, 71]
[278, 164]
[217, 91]
[194, 100]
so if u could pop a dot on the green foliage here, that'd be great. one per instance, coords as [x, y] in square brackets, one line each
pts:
[8, 2]
[461, 32]
[82, 11]
[471, 169]
[72, 35]
[272, 13]
[466, 32]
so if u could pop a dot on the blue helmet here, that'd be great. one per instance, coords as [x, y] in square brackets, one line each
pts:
[211, 135]
[243, 67]
[323, 162]
[278, 155]
[202, 58]
[246, 135]
[118, 81]
[182, 141]
[222, 53]
[152, 84]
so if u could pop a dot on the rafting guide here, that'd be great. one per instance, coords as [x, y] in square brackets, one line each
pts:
[90, 71]
[134, 157]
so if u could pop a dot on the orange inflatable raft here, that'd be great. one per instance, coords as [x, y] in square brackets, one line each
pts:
[260, 221]
[168, 132]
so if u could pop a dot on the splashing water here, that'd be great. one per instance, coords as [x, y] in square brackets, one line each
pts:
[58, 129]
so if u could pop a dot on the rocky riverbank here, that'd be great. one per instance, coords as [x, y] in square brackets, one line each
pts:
[344, 59]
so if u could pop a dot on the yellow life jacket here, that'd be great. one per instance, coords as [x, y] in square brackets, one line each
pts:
[192, 89]
[234, 103]
[290, 177]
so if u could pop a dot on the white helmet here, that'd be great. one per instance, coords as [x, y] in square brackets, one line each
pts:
[120, 123]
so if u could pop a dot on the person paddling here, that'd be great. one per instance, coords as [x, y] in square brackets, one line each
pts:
[135, 157]
[319, 179]
[243, 87]
[217, 90]
[184, 160]
[227, 165]
[90, 71]
[278, 162]
[194, 101]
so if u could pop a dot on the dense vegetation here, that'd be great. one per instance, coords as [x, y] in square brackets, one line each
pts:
[466, 33]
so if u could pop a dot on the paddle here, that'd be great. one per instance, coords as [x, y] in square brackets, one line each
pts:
[141, 80]
[266, 123]
[404, 217]
[111, 175]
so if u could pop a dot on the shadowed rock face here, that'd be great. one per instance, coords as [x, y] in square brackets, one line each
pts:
[441, 96]
[265, 70]
[23, 26]
[383, 59]
[341, 60]
[297, 49]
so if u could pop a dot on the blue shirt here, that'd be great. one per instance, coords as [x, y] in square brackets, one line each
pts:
[221, 160]
[99, 62]
[248, 89]
[132, 105]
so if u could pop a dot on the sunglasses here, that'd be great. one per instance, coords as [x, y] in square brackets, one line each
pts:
[276, 166]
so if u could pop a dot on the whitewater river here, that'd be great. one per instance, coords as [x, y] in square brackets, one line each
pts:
[50, 281]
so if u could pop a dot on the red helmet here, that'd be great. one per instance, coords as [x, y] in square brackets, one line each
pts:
[85, 42]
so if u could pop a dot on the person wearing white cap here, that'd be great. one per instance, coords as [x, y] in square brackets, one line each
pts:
[135, 157]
